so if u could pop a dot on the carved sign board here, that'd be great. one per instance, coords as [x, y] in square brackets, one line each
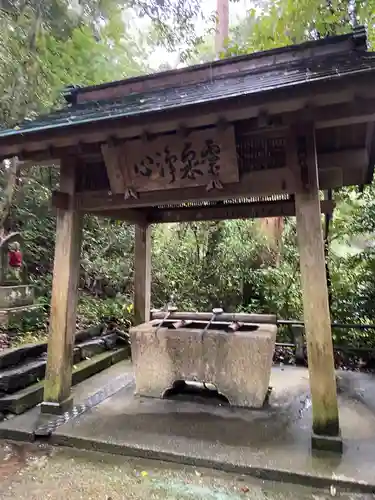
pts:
[202, 158]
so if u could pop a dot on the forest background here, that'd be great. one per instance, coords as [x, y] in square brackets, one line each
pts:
[240, 265]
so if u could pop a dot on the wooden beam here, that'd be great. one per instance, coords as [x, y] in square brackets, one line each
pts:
[326, 94]
[370, 129]
[62, 325]
[370, 146]
[40, 163]
[346, 158]
[338, 115]
[60, 200]
[252, 184]
[330, 178]
[111, 161]
[132, 216]
[303, 159]
[142, 273]
[258, 183]
[231, 211]
[207, 316]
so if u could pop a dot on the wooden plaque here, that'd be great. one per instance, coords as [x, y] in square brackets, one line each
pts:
[174, 162]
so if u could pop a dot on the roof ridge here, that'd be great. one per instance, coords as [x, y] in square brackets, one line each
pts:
[357, 38]
[272, 68]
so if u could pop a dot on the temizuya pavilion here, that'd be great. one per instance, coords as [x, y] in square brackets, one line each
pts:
[251, 136]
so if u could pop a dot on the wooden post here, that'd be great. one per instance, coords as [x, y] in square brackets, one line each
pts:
[142, 273]
[303, 161]
[57, 396]
[328, 196]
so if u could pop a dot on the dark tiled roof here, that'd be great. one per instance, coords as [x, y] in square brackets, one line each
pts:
[357, 39]
[286, 75]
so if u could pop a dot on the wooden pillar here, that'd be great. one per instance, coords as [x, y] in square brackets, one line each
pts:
[303, 161]
[327, 221]
[142, 273]
[57, 395]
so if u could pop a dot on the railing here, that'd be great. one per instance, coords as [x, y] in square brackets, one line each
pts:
[297, 332]
[348, 326]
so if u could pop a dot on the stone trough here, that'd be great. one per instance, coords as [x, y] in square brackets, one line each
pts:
[233, 353]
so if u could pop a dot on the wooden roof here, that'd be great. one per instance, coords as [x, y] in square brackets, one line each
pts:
[229, 88]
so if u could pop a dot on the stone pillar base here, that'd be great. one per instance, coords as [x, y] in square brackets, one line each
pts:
[327, 443]
[56, 408]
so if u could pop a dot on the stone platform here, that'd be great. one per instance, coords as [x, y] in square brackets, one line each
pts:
[274, 443]
[16, 296]
[16, 304]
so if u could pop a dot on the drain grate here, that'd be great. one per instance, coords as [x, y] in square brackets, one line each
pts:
[46, 429]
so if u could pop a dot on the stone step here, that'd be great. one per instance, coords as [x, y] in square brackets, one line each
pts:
[30, 371]
[23, 400]
[19, 377]
[13, 356]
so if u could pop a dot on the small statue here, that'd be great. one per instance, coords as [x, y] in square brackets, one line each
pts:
[15, 260]
[12, 267]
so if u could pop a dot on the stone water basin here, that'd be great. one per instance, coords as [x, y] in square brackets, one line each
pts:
[238, 363]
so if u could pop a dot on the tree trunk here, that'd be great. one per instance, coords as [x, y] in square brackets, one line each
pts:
[11, 175]
[222, 26]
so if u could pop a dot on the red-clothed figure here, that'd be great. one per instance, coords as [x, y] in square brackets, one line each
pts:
[15, 259]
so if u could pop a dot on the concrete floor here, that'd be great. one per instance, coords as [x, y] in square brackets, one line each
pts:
[272, 443]
[28, 472]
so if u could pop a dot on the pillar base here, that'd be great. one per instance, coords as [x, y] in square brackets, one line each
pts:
[57, 408]
[327, 443]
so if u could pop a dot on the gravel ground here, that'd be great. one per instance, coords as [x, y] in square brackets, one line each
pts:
[31, 472]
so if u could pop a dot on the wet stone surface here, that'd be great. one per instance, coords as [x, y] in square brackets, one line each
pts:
[277, 437]
[35, 472]
[200, 430]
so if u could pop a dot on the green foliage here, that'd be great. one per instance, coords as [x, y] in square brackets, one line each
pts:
[46, 45]
[116, 312]
[352, 258]
[105, 272]
[37, 60]
[228, 264]
[285, 22]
